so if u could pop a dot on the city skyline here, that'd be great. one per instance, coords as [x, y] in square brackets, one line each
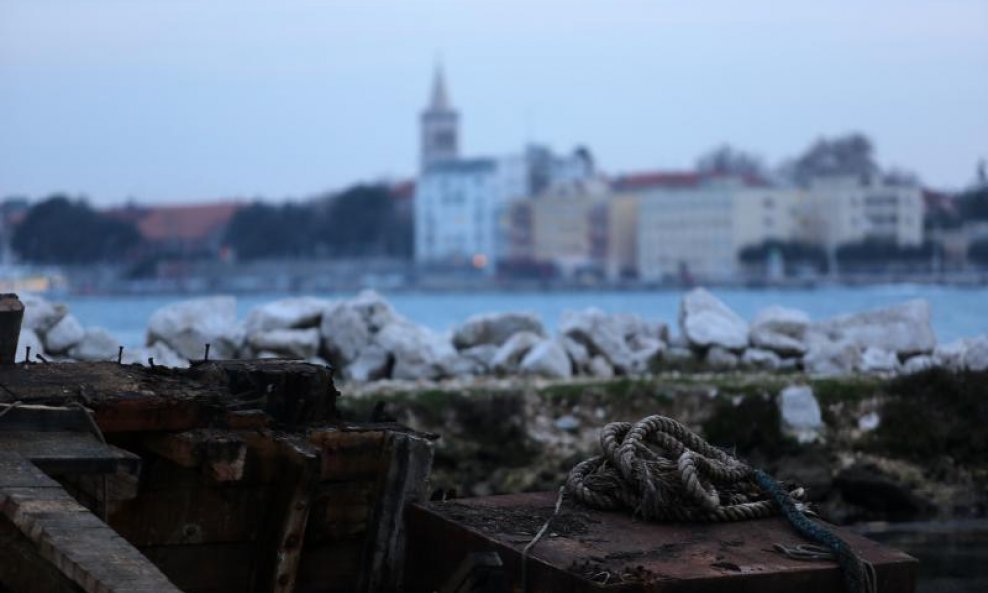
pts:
[180, 102]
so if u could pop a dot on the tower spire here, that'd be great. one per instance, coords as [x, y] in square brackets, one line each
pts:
[440, 98]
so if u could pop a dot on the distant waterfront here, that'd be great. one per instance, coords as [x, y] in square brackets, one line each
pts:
[957, 312]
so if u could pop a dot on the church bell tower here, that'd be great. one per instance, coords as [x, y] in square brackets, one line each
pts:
[440, 125]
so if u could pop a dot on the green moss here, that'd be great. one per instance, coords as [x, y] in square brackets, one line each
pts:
[846, 389]
[934, 414]
[750, 425]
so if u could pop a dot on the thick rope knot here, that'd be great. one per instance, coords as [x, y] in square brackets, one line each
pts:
[658, 469]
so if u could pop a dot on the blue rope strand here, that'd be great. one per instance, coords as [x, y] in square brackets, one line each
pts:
[856, 576]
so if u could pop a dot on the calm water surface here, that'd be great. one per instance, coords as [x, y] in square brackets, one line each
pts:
[957, 312]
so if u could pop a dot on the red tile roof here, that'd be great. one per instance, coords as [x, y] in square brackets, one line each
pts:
[403, 190]
[178, 223]
[655, 179]
[677, 180]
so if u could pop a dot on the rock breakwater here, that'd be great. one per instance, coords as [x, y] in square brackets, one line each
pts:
[366, 339]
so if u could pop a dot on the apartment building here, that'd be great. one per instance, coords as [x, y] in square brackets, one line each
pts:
[850, 209]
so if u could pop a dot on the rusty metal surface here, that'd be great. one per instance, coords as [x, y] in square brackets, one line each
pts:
[587, 550]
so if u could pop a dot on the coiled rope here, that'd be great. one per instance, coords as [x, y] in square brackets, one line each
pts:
[660, 470]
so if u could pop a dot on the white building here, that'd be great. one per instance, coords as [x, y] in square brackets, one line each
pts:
[460, 204]
[849, 209]
[458, 210]
[698, 230]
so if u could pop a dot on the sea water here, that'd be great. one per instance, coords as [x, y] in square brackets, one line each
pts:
[957, 312]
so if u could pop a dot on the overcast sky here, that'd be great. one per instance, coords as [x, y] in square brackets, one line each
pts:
[181, 100]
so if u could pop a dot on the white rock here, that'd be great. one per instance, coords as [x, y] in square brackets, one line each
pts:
[869, 422]
[706, 321]
[290, 313]
[482, 355]
[635, 327]
[495, 328]
[876, 360]
[800, 413]
[568, 423]
[601, 334]
[291, 343]
[509, 355]
[578, 354]
[417, 351]
[780, 329]
[39, 314]
[782, 320]
[187, 326]
[976, 355]
[375, 311]
[547, 359]
[600, 368]
[371, 364]
[951, 355]
[96, 344]
[63, 335]
[679, 355]
[918, 363]
[345, 333]
[28, 337]
[904, 329]
[829, 358]
[455, 364]
[761, 359]
[721, 359]
[646, 354]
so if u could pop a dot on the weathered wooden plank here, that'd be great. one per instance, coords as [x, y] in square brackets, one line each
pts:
[11, 314]
[409, 460]
[34, 417]
[331, 568]
[585, 547]
[340, 510]
[75, 542]
[23, 570]
[220, 453]
[350, 455]
[285, 524]
[69, 452]
[206, 568]
[192, 513]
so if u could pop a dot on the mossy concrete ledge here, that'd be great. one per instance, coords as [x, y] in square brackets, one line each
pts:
[904, 448]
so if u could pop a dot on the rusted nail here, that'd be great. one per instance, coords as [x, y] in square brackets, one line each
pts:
[206, 356]
[119, 354]
[27, 354]
[41, 358]
[151, 362]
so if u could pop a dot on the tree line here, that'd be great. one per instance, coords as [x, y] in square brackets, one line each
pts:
[362, 221]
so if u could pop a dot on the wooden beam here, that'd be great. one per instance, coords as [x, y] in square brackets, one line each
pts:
[220, 453]
[11, 314]
[409, 460]
[280, 548]
[73, 540]
[69, 453]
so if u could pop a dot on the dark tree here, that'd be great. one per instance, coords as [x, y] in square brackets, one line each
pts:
[877, 252]
[795, 254]
[974, 203]
[63, 231]
[725, 160]
[363, 220]
[977, 252]
[846, 155]
[263, 230]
